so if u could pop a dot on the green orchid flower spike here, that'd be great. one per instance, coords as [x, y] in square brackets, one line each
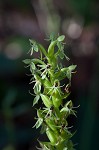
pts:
[47, 76]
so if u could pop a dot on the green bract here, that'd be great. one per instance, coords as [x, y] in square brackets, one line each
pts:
[47, 74]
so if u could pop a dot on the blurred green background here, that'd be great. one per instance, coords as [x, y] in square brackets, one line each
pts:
[20, 20]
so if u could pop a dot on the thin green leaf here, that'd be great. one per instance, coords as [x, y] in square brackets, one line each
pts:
[64, 109]
[61, 54]
[68, 74]
[42, 49]
[35, 48]
[44, 75]
[69, 104]
[31, 50]
[46, 146]
[33, 66]
[38, 123]
[37, 87]
[69, 71]
[36, 61]
[36, 99]
[61, 38]
[67, 57]
[72, 67]
[27, 61]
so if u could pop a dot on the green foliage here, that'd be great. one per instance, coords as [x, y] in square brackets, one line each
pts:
[47, 75]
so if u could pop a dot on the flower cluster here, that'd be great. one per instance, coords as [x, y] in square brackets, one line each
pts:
[47, 74]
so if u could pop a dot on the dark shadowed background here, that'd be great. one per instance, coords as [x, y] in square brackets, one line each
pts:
[21, 20]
